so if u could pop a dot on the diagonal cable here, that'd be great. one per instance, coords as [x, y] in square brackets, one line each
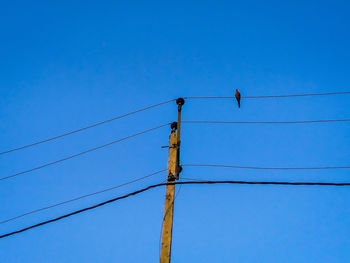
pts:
[84, 128]
[80, 197]
[81, 153]
[199, 182]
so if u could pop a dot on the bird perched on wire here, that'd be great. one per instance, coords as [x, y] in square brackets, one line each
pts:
[238, 98]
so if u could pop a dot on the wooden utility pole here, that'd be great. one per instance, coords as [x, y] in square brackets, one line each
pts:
[174, 170]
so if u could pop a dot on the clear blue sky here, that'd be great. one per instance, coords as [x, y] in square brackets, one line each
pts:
[68, 64]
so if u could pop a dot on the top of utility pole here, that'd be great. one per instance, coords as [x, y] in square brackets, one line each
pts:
[180, 102]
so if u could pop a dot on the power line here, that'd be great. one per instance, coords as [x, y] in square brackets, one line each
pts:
[85, 128]
[267, 168]
[80, 197]
[272, 96]
[200, 182]
[191, 179]
[266, 122]
[84, 152]
[162, 103]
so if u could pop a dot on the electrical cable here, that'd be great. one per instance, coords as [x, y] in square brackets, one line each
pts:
[272, 96]
[162, 103]
[201, 182]
[266, 122]
[80, 197]
[267, 168]
[85, 128]
[84, 152]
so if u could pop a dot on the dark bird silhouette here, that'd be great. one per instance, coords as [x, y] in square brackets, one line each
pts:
[238, 98]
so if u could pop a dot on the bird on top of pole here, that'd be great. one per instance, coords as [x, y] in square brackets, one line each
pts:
[238, 98]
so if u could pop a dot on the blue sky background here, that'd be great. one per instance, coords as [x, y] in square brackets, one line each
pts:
[68, 64]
